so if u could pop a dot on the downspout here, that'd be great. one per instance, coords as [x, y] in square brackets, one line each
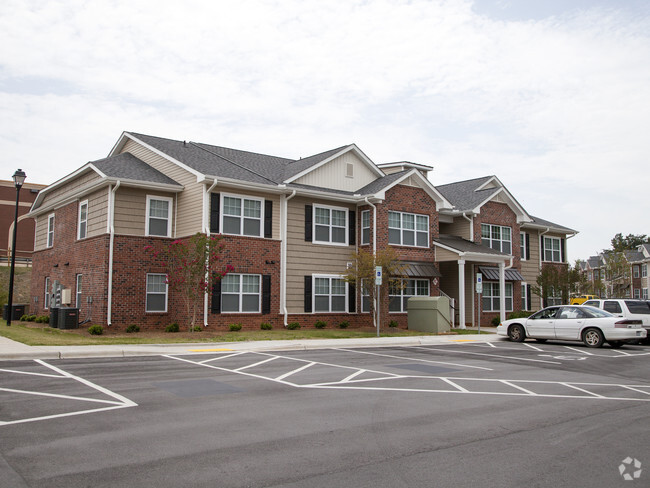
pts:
[283, 254]
[374, 253]
[111, 223]
[206, 229]
[540, 255]
[471, 226]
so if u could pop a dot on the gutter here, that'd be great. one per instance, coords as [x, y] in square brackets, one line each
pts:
[111, 223]
[283, 253]
[206, 229]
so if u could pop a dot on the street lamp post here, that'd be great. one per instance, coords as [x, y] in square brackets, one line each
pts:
[19, 179]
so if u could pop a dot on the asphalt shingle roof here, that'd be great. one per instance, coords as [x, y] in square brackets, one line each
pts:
[548, 223]
[463, 194]
[127, 166]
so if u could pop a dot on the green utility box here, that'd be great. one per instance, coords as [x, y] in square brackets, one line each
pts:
[429, 314]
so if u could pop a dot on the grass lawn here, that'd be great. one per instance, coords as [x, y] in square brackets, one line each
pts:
[34, 334]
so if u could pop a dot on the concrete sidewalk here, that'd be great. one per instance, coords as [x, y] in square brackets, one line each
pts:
[15, 350]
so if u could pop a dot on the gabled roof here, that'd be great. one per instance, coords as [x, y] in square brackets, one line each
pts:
[634, 256]
[127, 167]
[546, 224]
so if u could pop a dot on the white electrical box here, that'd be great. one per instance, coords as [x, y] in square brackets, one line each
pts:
[66, 296]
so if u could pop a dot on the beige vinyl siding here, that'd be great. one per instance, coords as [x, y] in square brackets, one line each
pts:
[130, 207]
[97, 212]
[70, 189]
[40, 233]
[190, 202]
[275, 224]
[530, 267]
[333, 174]
[459, 227]
[445, 255]
[305, 258]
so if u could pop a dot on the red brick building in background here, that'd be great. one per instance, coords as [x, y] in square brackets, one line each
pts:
[25, 236]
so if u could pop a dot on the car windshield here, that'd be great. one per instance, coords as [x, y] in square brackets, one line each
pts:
[595, 312]
[638, 307]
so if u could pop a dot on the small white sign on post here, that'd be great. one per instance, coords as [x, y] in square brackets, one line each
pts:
[378, 275]
[479, 283]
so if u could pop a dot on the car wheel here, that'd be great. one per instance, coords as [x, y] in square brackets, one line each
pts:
[615, 344]
[541, 341]
[516, 333]
[593, 338]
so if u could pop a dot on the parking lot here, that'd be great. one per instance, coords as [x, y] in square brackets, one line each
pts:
[554, 414]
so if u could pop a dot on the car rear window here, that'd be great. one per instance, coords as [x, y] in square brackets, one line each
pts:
[613, 307]
[637, 307]
[591, 303]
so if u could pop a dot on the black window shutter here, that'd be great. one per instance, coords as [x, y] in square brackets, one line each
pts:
[352, 298]
[216, 297]
[529, 299]
[527, 236]
[266, 294]
[352, 230]
[268, 218]
[215, 200]
[562, 251]
[307, 294]
[541, 246]
[308, 223]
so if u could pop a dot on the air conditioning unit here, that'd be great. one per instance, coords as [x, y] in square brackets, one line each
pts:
[68, 318]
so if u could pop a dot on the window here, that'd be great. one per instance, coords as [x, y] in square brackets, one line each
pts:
[522, 246]
[158, 216]
[554, 297]
[644, 271]
[78, 287]
[330, 225]
[242, 216]
[349, 170]
[50, 230]
[635, 271]
[491, 301]
[637, 293]
[596, 274]
[497, 237]
[365, 227]
[46, 303]
[524, 296]
[330, 294]
[82, 225]
[644, 295]
[241, 293]
[612, 307]
[156, 293]
[400, 293]
[552, 249]
[407, 229]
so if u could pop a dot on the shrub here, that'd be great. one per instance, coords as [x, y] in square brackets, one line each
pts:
[521, 314]
[234, 327]
[197, 328]
[42, 319]
[133, 328]
[344, 325]
[320, 324]
[95, 330]
[24, 318]
[293, 326]
[172, 328]
[31, 318]
[265, 326]
[393, 323]
[495, 321]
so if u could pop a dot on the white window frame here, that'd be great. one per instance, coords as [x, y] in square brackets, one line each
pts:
[524, 295]
[46, 304]
[242, 218]
[636, 272]
[329, 242]
[522, 246]
[241, 293]
[78, 288]
[489, 288]
[148, 217]
[50, 230]
[402, 293]
[551, 249]
[330, 295]
[637, 294]
[82, 221]
[644, 294]
[490, 241]
[365, 214]
[147, 293]
[415, 230]
[644, 271]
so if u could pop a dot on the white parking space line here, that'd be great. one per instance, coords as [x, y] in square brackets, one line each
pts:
[458, 387]
[533, 347]
[509, 383]
[222, 357]
[489, 355]
[290, 373]
[56, 395]
[581, 351]
[636, 389]
[30, 373]
[582, 389]
[407, 358]
[258, 363]
[622, 352]
[353, 375]
[491, 345]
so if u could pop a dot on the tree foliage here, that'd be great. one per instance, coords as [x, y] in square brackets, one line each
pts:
[631, 241]
[617, 273]
[553, 282]
[192, 266]
[362, 273]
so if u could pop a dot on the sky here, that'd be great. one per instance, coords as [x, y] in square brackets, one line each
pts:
[552, 97]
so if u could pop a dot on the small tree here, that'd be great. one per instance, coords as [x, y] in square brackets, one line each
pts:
[617, 273]
[362, 273]
[629, 242]
[191, 267]
[552, 282]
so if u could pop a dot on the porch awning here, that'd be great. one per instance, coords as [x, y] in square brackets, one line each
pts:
[491, 273]
[420, 270]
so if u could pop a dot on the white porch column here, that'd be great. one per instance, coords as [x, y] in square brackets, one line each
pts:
[502, 290]
[461, 293]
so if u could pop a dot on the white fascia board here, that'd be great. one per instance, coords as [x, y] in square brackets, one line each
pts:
[125, 135]
[492, 179]
[41, 194]
[241, 184]
[475, 256]
[550, 228]
[441, 202]
[351, 147]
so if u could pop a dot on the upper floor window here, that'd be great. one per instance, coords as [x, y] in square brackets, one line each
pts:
[552, 249]
[330, 225]
[242, 216]
[497, 237]
[399, 293]
[407, 229]
[644, 271]
[50, 230]
[635, 269]
[365, 227]
[82, 225]
[158, 216]
[156, 293]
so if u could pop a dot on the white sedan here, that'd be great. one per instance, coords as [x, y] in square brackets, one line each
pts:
[573, 323]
